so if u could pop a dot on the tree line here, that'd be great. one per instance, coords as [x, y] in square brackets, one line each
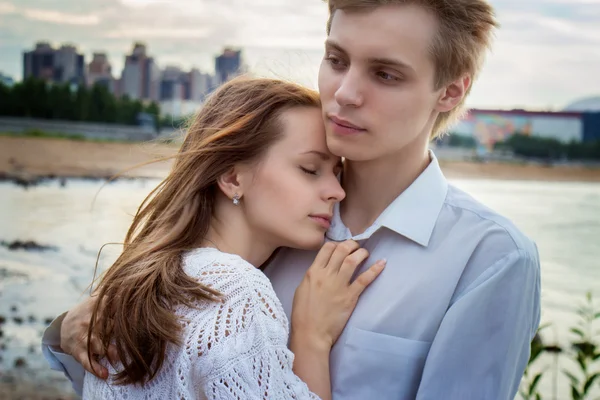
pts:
[35, 98]
[535, 147]
[550, 149]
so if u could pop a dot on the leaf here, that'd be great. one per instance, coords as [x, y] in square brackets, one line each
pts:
[581, 361]
[578, 332]
[590, 382]
[534, 383]
[597, 315]
[546, 325]
[585, 348]
[574, 380]
[575, 393]
[536, 350]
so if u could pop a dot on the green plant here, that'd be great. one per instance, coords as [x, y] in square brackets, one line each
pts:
[584, 350]
[530, 382]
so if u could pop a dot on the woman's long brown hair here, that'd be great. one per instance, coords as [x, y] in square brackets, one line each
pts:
[136, 296]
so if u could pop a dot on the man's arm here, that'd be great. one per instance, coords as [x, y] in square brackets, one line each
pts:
[483, 343]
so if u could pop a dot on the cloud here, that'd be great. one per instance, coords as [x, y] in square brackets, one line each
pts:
[7, 8]
[546, 52]
[61, 17]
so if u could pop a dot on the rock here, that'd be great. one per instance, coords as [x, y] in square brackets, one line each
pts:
[18, 320]
[31, 319]
[13, 309]
[5, 273]
[29, 245]
[20, 362]
[2, 319]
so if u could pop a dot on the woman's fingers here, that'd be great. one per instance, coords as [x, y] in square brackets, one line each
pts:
[324, 255]
[113, 355]
[366, 278]
[340, 253]
[92, 366]
[351, 263]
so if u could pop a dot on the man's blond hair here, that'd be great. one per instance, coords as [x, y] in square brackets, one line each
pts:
[465, 33]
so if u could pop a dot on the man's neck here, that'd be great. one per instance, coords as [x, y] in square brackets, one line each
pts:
[373, 185]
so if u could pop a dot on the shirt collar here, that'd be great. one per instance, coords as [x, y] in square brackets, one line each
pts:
[412, 214]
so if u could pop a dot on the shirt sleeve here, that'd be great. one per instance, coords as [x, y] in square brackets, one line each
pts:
[482, 346]
[58, 360]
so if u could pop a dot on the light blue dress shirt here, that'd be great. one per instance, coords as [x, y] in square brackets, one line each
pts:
[453, 313]
[450, 318]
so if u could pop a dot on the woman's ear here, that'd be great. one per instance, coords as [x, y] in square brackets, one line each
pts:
[229, 183]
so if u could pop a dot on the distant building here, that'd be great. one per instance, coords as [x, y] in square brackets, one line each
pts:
[141, 75]
[176, 84]
[62, 65]
[171, 84]
[6, 80]
[196, 85]
[228, 65]
[489, 127]
[99, 71]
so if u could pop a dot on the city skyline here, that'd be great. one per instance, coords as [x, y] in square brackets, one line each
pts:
[546, 53]
[141, 77]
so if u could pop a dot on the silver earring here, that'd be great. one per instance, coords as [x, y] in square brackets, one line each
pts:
[236, 200]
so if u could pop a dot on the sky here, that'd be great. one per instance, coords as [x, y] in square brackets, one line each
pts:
[546, 53]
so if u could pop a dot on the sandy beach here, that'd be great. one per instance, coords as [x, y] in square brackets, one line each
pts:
[31, 158]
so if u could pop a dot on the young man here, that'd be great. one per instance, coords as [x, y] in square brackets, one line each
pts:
[454, 312]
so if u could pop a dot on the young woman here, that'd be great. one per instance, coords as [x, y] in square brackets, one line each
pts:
[186, 306]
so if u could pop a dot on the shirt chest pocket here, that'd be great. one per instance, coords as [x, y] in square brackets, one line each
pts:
[375, 365]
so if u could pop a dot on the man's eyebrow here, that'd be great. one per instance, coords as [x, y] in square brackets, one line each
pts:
[390, 62]
[385, 61]
[335, 45]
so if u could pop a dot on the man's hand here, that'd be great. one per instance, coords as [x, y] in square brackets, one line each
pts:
[74, 339]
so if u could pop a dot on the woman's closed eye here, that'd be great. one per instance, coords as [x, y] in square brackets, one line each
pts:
[309, 171]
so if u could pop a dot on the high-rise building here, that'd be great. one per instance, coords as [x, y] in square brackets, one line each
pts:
[63, 65]
[228, 65]
[171, 84]
[141, 75]
[100, 72]
[176, 84]
[197, 85]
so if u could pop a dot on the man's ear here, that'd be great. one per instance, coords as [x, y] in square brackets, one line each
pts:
[453, 94]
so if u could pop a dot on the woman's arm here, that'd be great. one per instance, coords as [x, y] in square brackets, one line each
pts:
[323, 303]
[311, 364]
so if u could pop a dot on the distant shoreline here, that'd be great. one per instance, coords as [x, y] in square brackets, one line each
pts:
[33, 159]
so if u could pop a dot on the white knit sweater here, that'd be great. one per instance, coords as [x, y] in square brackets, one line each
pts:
[231, 350]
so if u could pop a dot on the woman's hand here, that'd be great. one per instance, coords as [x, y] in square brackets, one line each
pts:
[74, 339]
[326, 296]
